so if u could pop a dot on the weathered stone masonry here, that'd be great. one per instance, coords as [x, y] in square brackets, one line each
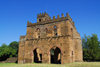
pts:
[49, 34]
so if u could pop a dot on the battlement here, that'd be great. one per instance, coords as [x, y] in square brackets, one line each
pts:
[42, 15]
[49, 20]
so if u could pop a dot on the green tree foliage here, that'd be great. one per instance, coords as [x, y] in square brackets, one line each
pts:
[14, 45]
[52, 51]
[6, 52]
[10, 50]
[91, 50]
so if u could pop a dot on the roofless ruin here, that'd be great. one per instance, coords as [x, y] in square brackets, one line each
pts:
[50, 41]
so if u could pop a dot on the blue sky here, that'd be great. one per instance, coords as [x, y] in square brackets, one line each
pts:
[14, 15]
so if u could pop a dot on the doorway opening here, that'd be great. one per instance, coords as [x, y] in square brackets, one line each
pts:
[55, 31]
[55, 55]
[37, 55]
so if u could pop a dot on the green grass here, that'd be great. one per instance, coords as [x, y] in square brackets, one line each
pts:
[74, 64]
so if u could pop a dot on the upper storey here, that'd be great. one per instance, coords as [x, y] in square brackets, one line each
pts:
[44, 18]
[47, 27]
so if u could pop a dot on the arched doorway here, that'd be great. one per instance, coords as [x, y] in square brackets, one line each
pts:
[37, 55]
[55, 55]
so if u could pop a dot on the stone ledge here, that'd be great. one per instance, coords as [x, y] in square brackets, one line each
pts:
[48, 37]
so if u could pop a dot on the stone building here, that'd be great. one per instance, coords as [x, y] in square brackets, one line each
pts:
[50, 41]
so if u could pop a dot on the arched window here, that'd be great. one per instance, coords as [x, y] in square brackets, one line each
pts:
[38, 29]
[46, 31]
[55, 30]
[38, 32]
[55, 27]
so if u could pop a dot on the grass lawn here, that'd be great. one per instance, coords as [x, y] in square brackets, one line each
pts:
[74, 64]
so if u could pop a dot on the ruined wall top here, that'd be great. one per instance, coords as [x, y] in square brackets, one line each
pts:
[23, 38]
[49, 20]
[42, 15]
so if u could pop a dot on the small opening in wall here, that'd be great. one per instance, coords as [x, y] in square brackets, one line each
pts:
[72, 52]
[56, 34]
[39, 20]
[38, 36]
[55, 26]
[71, 29]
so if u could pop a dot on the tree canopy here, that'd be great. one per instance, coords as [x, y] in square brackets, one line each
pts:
[90, 45]
[14, 45]
[7, 51]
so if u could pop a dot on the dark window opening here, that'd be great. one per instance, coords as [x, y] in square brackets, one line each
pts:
[71, 29]
[55, 31]
[55, 27]
[39, 20]
[56, 34]
[38, 36]
[72, 52]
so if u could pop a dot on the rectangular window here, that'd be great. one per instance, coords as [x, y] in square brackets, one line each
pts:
[39, 20]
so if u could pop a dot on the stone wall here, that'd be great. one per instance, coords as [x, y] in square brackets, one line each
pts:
[21, 51]
[10, 60]
[47, 34]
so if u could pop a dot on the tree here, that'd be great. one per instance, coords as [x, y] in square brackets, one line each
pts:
[6, 52]
[52, 51]
[90, 45]
[14, 45]
[2, 48]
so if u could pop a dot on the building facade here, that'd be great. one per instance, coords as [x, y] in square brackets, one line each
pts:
[50, 41]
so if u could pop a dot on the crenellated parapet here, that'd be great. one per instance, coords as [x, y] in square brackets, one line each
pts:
[29, 23]
[45, 18]
[42, 15]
